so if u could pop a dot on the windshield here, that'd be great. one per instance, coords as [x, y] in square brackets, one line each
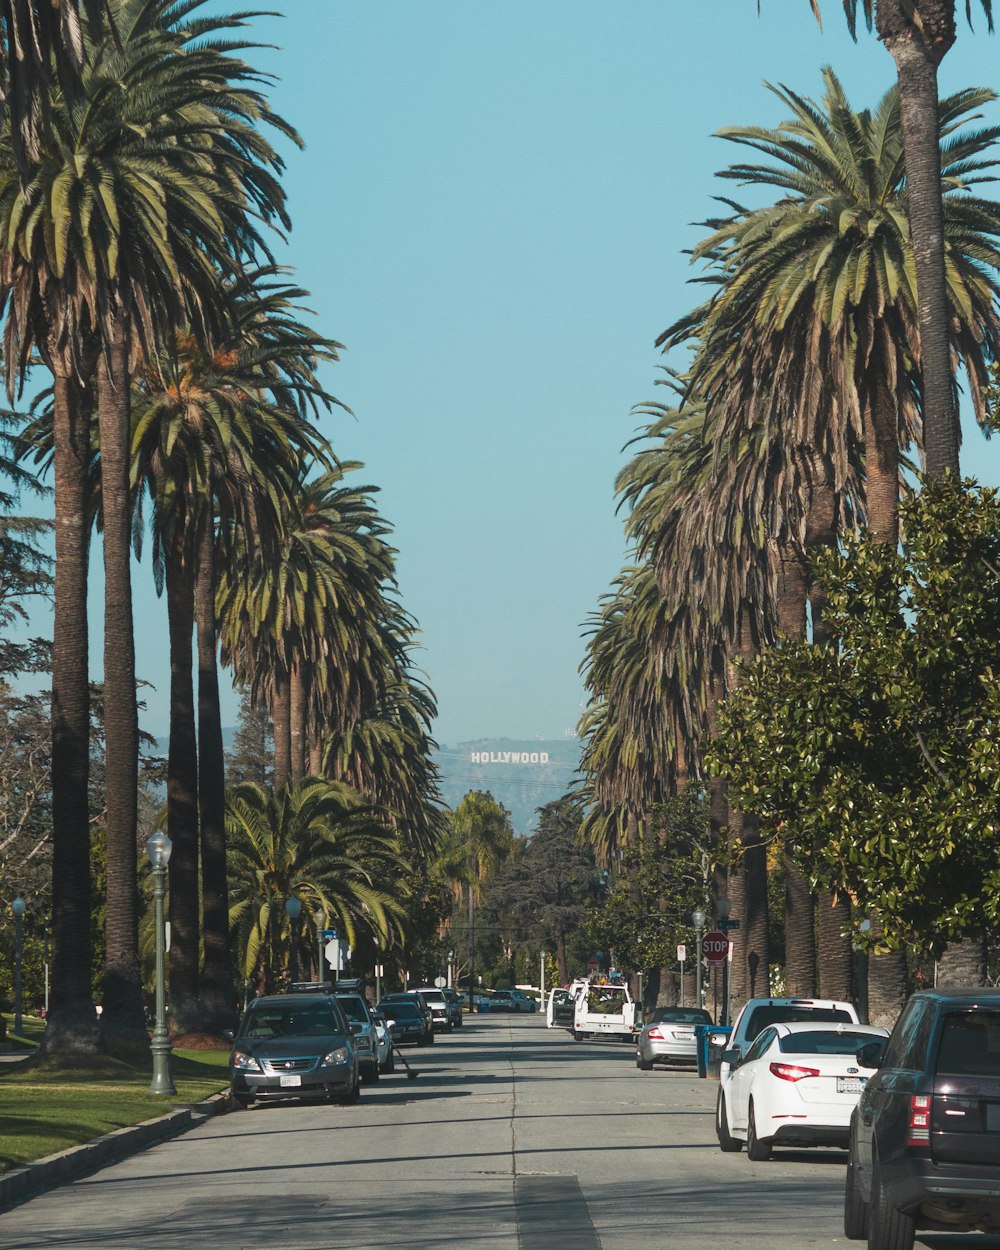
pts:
[312, 1020]
[401, 1011]
[680, 1015]
[772, 1014]
[823, 1043]
[354, 1009]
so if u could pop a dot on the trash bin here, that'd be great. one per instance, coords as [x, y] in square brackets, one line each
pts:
[711, 1040]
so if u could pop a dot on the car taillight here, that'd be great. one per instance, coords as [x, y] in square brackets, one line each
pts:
[655, 1032]
[920, 1121]
[791, 1071]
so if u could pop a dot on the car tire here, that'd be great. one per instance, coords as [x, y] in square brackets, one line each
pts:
[242, 1101]
[644, 1065]
[577, 1035]
[728, 1144]
[757, 1150]
[888, 1229]
[429, 1039]
[371, 1074]
[390, 1063]
[855, 1207]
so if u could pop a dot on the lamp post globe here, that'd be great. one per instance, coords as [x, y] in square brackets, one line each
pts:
[158, 849]
[18, 907]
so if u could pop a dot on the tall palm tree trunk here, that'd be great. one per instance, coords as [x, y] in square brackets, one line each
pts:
[917, 52]
[800, 926]
[281, 718]
[182, 796]
[297, 734]
[315, 757]
[881, 430]
[72, 1022]
[886, 982]
[123, 1010]
[836, 969]
[217, 984]
[963, 963]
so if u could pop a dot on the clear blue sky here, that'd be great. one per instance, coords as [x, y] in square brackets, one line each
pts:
[490, 212]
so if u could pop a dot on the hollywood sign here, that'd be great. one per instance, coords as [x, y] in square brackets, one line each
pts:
[510, 757]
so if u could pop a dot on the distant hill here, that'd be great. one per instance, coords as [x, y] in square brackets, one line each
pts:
[521, 773]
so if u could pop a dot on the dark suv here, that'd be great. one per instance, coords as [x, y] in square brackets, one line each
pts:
[925, 1138]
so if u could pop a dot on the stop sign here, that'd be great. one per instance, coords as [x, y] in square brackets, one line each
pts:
[715, 947]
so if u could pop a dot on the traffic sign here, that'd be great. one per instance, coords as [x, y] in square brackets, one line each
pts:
[440, 982]
[329, 934]
[715, 947]
[727, 924]
[682, 954]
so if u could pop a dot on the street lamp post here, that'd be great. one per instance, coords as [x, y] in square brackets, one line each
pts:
[18, 907]
[698, 918]
[158, 849]
[293, 907]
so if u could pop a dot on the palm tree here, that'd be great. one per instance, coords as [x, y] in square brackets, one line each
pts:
[220, 445]
[918, 35]
[321, 843]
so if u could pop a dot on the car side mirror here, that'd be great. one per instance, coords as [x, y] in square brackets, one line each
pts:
[229, 1035]
[356, 1026]
[390, 1024]
[719, 1039]
[733, 1055]
[872, 1053]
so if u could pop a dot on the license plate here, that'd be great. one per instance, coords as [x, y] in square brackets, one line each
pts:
[290, 1082]
[850, 1084]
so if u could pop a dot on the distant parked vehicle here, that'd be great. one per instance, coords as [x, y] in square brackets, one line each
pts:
[356, 1009]
[407, 1020]
[454, 1001]
[668, 1036]
[797, 1086]
[511, 1000]
[437, 1005]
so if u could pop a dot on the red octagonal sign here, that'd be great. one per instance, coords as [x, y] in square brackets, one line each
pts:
[715, 946]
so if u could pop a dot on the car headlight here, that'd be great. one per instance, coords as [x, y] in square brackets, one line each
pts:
[337, 1057]
[245, 1063]
[363, 1043]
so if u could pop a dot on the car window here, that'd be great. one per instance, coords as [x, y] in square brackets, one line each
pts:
[354, 1009]
[909, 1039]
[769, 1013]
[970, 1044]
[310, 1021]
[680, 1015]
[402, 1010]
[824, 1043]
[760, 1045]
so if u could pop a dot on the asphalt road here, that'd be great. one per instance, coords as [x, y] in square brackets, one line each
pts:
[513, 1137]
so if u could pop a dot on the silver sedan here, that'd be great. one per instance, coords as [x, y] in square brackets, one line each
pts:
[668, 1036]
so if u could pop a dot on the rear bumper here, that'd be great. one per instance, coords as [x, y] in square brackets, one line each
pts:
[664, 1051]
[952, 1195]
[792, 1134]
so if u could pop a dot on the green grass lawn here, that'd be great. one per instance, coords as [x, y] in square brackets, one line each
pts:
[49, 1107]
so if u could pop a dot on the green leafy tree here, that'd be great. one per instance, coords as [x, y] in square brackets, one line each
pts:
[875, 761]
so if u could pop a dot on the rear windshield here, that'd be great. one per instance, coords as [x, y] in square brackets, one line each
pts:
[354, 1009]
[761, 1017]
[313, 1020]
[970, 1044]
[680, 1015]
[400, 1011]
[432, 996]
[820, 1043]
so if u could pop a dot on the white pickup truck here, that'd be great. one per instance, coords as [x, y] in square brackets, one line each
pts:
[602, 1009]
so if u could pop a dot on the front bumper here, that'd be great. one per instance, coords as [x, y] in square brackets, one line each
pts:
[317, 1083]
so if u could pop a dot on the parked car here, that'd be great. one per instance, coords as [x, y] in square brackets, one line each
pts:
[357, 1011]
[294, 1046]
[925, 1137]
[797, 1086]
[408, 1019]
[511, 1000]
[437, 1005]
[455, 1012]
[668, 1036]
[560, 1010]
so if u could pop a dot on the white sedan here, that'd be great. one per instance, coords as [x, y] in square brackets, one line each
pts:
[797, 1086]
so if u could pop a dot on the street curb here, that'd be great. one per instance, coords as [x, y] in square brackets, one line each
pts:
[69, 1165]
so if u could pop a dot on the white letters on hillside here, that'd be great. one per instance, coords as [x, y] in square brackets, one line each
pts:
[510, 757]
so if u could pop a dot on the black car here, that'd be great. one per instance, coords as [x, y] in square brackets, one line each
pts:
[293, 1046]
[925, 1138]
[408, 1019]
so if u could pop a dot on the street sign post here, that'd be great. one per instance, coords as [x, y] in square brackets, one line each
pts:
[715, 947]
[682, 951]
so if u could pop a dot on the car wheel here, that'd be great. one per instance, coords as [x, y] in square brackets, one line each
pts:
[242, 1101]
[389, 1065]
[728, 1144]
[430, 1037]
[371, 1074]
[855, 1207]
[644, 1065]
[757, 1150]
[888, 1229]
